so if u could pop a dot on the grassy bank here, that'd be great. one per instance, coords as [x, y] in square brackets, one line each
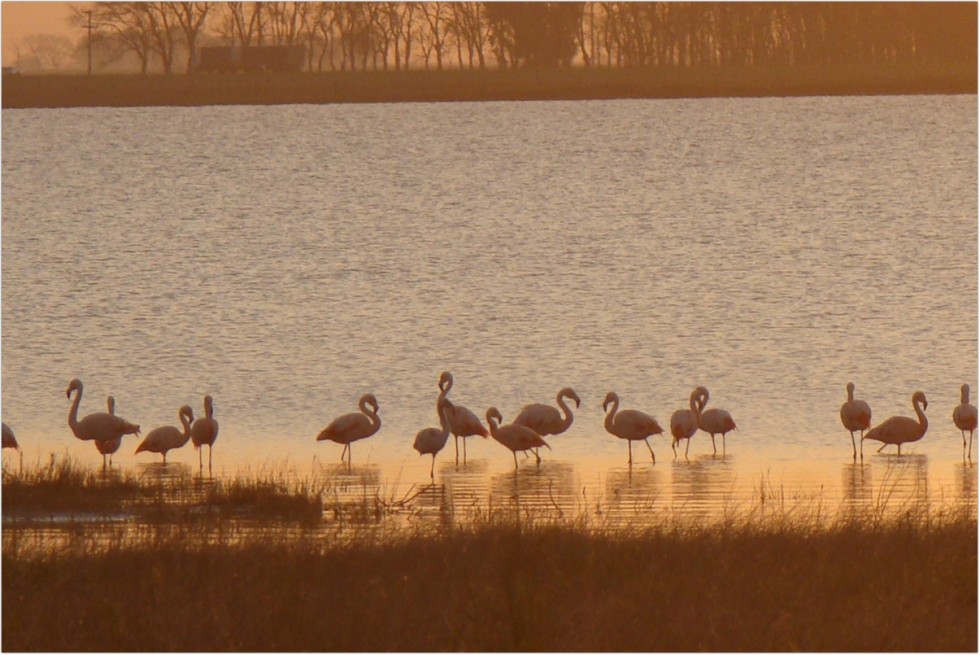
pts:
[271, 561]
[22, 91]
[501, 588]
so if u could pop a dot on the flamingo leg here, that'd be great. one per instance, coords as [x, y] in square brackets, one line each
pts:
[854, 445]
[673, 446]
[165, 457]
[432, 469]
[200, 458]
[515, 459]
[210, 449]
[537, 457]
[899, 449]
[687, 447]
[464, 450]
[882, 447]
[629, 444]
[969, 452]
[723, 443]
[714, 449]
[647, 442]
[456, 445]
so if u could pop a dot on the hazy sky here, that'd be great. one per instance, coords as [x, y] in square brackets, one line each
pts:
[22, 19]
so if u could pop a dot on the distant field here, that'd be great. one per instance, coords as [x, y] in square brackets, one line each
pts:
[24, 91]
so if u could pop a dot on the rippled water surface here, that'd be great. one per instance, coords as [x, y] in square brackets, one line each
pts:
[289, 259]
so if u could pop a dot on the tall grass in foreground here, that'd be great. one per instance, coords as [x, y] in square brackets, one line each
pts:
[742, 586]
[274, 561]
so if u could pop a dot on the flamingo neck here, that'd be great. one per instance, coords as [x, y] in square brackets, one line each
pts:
[444, 421]
[965, 396]
[611, 416]
[696, 408]
[923, 421]
[566, 411]
[73, 412]
[850, 394]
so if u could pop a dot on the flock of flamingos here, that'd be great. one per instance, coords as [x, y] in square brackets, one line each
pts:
[525, 433]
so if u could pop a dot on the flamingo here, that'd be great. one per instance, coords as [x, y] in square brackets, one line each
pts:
[167, 437]
[902, 429]
[429, 441]
[351, 427]
[99, 426]
[715, 421]
[9, 441]
[463, 422]
[965, 417]
[545, 419]
[630, 424]
[108, 447]
[514, 436]
[684, 422]
[205, 431]
[856, 416]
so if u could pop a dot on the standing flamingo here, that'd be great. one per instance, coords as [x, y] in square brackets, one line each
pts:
[110, 446]
[684, 422]
[856, 416]
[545, 419]
[630, 424]
[205, 431]
[715, 421]
[965, 418]
[429, 441]
[167, 437]
[99, 426]
[349, 428]
[902, 429]
[513, 436]
[463, 422]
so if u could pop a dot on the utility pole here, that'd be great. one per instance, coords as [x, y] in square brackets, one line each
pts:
[89, 27]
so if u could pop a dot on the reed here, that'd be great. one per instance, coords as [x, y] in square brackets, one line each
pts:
[272, 560]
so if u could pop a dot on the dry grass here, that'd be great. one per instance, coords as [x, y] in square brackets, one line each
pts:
[772, 578]
[21, 91]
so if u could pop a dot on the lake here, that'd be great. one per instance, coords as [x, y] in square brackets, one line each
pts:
[288, 259]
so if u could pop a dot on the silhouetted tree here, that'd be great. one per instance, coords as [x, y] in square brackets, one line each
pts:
[536, 33]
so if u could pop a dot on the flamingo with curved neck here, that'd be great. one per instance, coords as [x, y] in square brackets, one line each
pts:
[351, 427]
[629, 424]
[513, 436]
[684, 422]
[429, 441]
[902, 429]
[167, 437]
[99, 426]
[463, 422]
[545, 419]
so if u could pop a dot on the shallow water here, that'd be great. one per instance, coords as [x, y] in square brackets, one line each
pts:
[289, 259]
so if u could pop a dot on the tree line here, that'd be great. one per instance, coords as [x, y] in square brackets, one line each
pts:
[349, 36]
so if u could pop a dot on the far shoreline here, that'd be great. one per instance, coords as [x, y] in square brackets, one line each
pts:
[120, 90]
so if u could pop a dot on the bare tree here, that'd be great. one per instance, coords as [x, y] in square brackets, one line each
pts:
[122, 23]
[47, 52]
[434, 32]
[191, 17]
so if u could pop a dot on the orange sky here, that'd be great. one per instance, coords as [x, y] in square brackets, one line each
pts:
[20, 19]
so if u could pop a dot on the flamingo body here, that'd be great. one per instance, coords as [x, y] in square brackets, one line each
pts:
[855, 415]
[630, 424]
[99, 426]
[902, 429]
[9, 440]
[354, 426]
[108, 447]
[684, 422]
[715, 421]
[545, 419]
[167, 437]
[513, 436]
[965, 417]
[429, 441]
[204, 431]
[463, 422]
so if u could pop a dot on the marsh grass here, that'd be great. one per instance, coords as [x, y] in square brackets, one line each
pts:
[413, 572]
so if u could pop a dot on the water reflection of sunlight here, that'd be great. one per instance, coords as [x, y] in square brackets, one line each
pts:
[633, 494]
[546, 490]
[704, 484]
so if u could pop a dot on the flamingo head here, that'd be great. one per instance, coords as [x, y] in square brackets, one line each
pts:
[568, 392]
[611, 397]
[369, 399]
[208, 404]
[700, 396]
[74, 385]
[445, 381]
[186, 412]
[494, 413]
[919, 397]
